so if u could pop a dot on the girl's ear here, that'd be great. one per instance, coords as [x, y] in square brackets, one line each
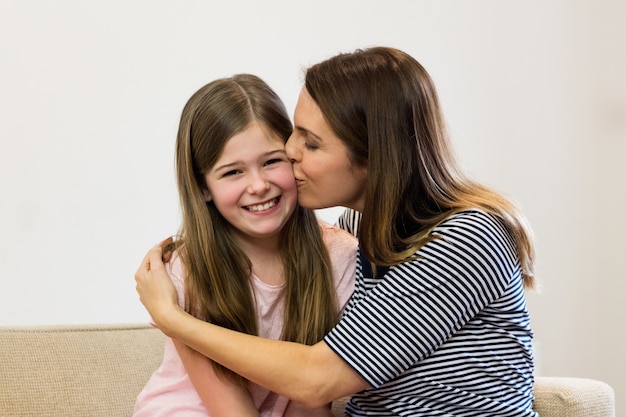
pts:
[206, 194]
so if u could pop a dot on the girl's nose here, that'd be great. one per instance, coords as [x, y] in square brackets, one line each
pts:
[258, 184]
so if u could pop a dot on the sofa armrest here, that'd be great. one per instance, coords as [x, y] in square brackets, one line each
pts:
[573, 397]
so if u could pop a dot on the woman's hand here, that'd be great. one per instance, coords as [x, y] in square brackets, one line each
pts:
[155, 288]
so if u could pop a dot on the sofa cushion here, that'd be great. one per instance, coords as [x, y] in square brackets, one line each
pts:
[76, 371]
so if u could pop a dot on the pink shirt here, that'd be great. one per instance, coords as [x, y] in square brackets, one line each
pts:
[169, 390]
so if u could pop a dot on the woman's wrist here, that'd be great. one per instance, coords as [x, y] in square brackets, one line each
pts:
[167, 318]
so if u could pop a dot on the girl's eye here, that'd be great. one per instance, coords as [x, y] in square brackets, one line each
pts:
[275, 161]
[231, 173]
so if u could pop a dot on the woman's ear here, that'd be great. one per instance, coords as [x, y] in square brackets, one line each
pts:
[206, 194]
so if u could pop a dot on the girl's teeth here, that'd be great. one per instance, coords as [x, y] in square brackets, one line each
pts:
[262, 207]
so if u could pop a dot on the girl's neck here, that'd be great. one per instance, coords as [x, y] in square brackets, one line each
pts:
[266, 259]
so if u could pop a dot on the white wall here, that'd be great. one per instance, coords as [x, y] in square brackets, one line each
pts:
[91, 92]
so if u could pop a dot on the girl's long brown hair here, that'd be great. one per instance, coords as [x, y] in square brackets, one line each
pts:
[383, 104]
[217, 282]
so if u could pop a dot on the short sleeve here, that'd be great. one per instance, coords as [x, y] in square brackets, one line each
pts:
[176, 271]
[420, 304]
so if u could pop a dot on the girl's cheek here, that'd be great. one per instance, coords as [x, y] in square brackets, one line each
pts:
[287, 178]
[229, 195]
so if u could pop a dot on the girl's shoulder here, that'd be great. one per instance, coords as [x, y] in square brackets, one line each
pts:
[337, 239]
[175, 266]
[176, 270]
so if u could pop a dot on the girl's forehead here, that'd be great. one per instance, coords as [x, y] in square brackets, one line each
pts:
[252, 141]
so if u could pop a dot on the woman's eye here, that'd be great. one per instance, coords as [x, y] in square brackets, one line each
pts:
[310, 146]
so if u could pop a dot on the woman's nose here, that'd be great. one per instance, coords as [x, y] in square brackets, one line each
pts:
[291, 149]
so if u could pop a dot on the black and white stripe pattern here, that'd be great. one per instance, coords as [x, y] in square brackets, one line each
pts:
[446, 334]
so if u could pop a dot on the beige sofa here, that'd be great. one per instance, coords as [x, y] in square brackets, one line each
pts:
[98, 370]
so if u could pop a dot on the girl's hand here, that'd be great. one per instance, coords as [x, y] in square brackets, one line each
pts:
[155, 288]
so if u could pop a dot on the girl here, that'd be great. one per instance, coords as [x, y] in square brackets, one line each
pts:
[438, 324]
[248, 258]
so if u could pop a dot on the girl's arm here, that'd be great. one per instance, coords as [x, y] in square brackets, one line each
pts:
[295, 409]
[311, 375]
[220, 396]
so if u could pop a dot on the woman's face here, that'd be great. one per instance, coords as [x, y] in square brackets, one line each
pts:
[324, 173]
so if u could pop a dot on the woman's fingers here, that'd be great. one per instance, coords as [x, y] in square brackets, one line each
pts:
[166, 242]
[153, 282]
[167, 246]
[144, 268]
[146, 263]
[154, 286]
[151, 262]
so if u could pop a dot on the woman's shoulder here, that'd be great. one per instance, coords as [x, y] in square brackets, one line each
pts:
[349, 221]
[472, 223]
[470, 217]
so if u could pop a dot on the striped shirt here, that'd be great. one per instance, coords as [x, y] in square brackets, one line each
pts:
[445, 334]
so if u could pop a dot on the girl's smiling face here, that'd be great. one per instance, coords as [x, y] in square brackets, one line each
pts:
[252, 183]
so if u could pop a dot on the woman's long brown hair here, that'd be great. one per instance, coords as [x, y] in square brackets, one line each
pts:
[383, 104]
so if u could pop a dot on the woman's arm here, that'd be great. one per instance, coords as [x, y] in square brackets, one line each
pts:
[220, 396]
[312, 375]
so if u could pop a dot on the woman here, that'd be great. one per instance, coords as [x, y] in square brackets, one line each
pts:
[438, 324]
